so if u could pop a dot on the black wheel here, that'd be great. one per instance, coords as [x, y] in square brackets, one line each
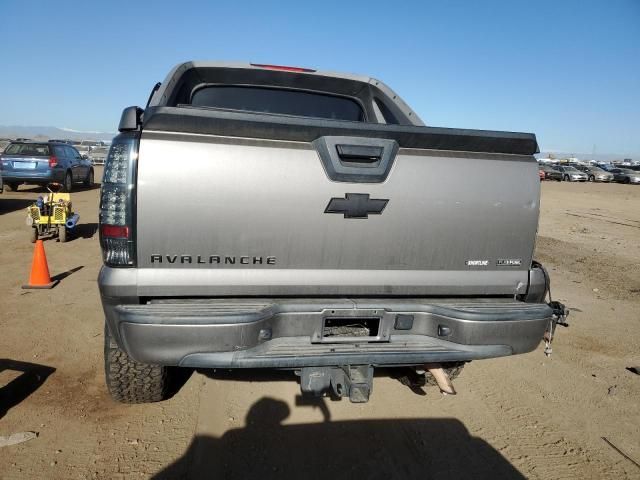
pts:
[12, 186]
[592, 178]
[89, 180]
[34, 235]
[63, 234]
[129, 381]
[626, 180]
[68, 182]
[559, 179]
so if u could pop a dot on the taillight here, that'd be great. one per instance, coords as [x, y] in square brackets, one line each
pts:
[117, 198]
[53, 161]
[114, 231]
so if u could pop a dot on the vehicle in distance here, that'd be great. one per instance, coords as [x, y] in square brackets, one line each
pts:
[98, 155]
[571, 174]
[625, 175]
[316, 227]
[550, 173]
[41, 163]
[595, 174]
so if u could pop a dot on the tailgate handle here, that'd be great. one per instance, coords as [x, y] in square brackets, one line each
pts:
[359, 153]
[356, 159]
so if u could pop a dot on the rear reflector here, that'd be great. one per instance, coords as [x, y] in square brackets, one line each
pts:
[283, 68]
[114, 231]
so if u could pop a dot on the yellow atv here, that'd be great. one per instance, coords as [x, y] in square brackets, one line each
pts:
[52, 215]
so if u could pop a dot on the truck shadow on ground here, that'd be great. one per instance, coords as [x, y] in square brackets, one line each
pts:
[84, 230]
[31, 378]
[268, 375]
[381, 448]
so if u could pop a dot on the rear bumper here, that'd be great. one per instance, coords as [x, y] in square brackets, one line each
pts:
[33, 177]
[288, 333]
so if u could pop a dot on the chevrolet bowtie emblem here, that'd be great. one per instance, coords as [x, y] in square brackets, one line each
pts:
[356, 205]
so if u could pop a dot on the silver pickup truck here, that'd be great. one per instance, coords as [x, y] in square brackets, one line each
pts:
[259, 216]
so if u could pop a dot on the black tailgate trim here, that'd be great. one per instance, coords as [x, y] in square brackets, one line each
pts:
[298, 129]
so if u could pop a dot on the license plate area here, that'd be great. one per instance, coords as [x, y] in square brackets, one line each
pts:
[352, 326]
[24, 165]
[336, 327]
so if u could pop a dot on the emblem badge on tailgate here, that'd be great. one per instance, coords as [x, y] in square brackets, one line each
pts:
[356, 205]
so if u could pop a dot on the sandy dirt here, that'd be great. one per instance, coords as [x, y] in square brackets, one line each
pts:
[525, 416]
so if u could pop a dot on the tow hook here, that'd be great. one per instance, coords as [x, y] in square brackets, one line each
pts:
[559, 317]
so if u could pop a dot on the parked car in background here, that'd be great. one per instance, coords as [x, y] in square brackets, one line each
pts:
[571, 174]
[596, 174]
[98, 155]
[41, 163]
[551, 173]
[83, 149]
[625, 175]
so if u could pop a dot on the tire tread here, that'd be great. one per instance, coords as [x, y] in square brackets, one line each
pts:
[129, 381]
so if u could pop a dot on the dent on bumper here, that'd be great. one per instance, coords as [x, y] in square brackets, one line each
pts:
[285, 333]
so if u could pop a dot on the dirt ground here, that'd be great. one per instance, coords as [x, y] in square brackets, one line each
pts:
[574, 415]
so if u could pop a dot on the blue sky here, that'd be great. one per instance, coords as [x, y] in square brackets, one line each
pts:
[568, 71]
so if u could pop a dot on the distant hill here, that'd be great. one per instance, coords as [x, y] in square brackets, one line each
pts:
[45, 133]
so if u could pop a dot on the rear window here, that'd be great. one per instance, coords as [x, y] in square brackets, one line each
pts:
[273, 100]
[33, 149]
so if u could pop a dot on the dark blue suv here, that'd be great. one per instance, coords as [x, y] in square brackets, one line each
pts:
[41, 163]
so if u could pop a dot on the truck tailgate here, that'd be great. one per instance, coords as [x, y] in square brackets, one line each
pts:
[221, 215]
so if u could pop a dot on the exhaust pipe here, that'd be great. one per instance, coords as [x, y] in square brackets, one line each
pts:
[71, 222]
[441, 378]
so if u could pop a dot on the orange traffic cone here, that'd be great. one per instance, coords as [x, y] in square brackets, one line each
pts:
[39, 277]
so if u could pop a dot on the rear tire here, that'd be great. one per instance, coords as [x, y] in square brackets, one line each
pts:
[12, 186]
[68, 182]
[89, 180]
[129, 381]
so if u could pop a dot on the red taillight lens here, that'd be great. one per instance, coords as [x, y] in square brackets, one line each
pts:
[53, 161]
[114, 231]
[283, 68]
